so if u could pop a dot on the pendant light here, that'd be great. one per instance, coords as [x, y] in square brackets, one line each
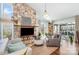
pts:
[46, 13]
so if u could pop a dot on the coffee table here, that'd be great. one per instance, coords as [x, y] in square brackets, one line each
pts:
[43, 50]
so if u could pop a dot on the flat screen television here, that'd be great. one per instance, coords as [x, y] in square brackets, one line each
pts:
[27, 31]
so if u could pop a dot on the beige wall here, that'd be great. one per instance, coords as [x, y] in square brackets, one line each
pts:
[76, 26]
[77, 23]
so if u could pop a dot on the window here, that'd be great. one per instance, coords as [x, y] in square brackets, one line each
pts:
[0, 10]
[7, 26]
[7, 10]
[0, 20]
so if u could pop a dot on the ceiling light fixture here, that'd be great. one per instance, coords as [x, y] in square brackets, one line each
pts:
[46, 13]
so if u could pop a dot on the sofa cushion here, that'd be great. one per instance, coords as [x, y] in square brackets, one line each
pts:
[3, 45]
[15, 41]
[15, 47]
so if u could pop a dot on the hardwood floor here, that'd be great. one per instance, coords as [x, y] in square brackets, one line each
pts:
[43, 50]
[56, 52]
[67, 48]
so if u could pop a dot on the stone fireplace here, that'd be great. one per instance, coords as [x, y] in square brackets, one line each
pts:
[23, 16]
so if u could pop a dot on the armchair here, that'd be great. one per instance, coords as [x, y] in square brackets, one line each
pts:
[54, 42]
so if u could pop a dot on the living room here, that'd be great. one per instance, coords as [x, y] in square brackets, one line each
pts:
[27, 27]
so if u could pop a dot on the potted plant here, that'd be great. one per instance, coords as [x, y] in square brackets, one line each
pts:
[38, 41]
[71, 39]
[46, 34]
[39, 35]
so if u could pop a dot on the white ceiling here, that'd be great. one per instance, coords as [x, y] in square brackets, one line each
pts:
[56, 10]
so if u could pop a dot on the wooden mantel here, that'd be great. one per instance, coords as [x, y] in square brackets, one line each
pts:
[27, 26]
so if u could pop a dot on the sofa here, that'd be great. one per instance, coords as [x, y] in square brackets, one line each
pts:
[14, 47]
[25, 51]
[54, 41]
